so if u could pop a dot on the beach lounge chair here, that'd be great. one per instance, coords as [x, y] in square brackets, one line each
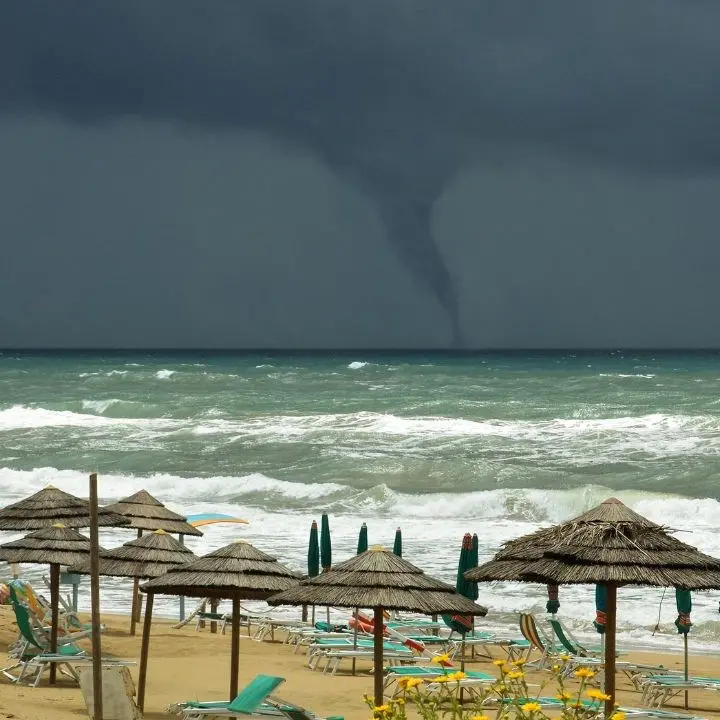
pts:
[546, 648]
[570, 642]
[635, 712]
[428, 673]
[659, 689]
[118, 691]
[34, 656]
[254, 700]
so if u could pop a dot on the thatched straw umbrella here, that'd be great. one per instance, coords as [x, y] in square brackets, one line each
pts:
[238, 572]
[148, 556]
[50, 506]
[147, 513]
[381, 580]
[609, 545]
[54, 546]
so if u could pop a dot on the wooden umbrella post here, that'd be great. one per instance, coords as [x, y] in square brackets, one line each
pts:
[235, 649]
[144, 649]
[378, 642]
[95, 600]
[181, 540]
[610, 647]
[136, 590]
[134, 612]
[54, 602]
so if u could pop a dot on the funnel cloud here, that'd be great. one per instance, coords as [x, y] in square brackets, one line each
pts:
[389, 174]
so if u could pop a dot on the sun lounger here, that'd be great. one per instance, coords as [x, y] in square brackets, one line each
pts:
[659, 689]
[428, 673]
[635, 712]
[34, 656]
[570, 643]
[255, 700]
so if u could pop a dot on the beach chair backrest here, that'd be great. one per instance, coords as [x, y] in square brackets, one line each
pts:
[254, 694]
[23, 593]
[559, 631]
[529, 631]
[22, 617]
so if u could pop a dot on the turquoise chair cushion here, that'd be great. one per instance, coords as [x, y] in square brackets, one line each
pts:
[254, 694]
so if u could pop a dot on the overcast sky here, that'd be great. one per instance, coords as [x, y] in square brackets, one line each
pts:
[391, 173]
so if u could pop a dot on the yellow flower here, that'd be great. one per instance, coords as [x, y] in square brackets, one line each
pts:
[479, 717]
[499, 663]
[445, 658]
[564, 695]
[400, 701]
[520, 662]
[597, 695]
[456, 676]
[441, 678]
[515, 674]
[564, 657]
[407, 683]
[531, 707]
[584, 673]
[618, 716]
[555, 667]
[381, 708]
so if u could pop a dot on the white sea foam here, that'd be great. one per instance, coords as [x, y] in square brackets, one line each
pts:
[280, 513]
[164, 374]
[99, 406]
[356, 365]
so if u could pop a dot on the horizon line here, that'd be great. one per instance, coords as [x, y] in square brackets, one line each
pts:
[353, 350]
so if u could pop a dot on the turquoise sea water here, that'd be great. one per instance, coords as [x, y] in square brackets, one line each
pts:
[438, 444]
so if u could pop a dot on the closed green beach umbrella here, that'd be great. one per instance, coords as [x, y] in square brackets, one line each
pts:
[313, 552]
[462, 623]
[600, 607]
[325, 544]
[362, 539]
[474, 555]
[397, 545]
[683, 600]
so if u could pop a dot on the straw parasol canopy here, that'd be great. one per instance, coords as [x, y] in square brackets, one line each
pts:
[54, 546]
[50, 506]
[381, 580]
[237, 571]
[145, 557]
[610, 545]
[147, 513]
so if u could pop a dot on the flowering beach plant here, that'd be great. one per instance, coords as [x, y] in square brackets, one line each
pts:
[509, 697]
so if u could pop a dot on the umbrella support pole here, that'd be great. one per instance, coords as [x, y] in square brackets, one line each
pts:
[304, 613]
[235, 649]
[685, 647]
[355, 629]
[378, 670]
[95, 600]
[54, 602]
[313, 615]
[144, 649]
[213, 610]
[181, 540]
[134, 613]
[610, 647]
[139, 596]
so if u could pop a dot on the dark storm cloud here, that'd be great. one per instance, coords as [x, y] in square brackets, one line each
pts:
[398, 97]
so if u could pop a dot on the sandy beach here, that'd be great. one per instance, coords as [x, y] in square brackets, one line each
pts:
[185, 664]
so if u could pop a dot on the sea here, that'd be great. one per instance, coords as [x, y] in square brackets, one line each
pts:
[437, 444]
